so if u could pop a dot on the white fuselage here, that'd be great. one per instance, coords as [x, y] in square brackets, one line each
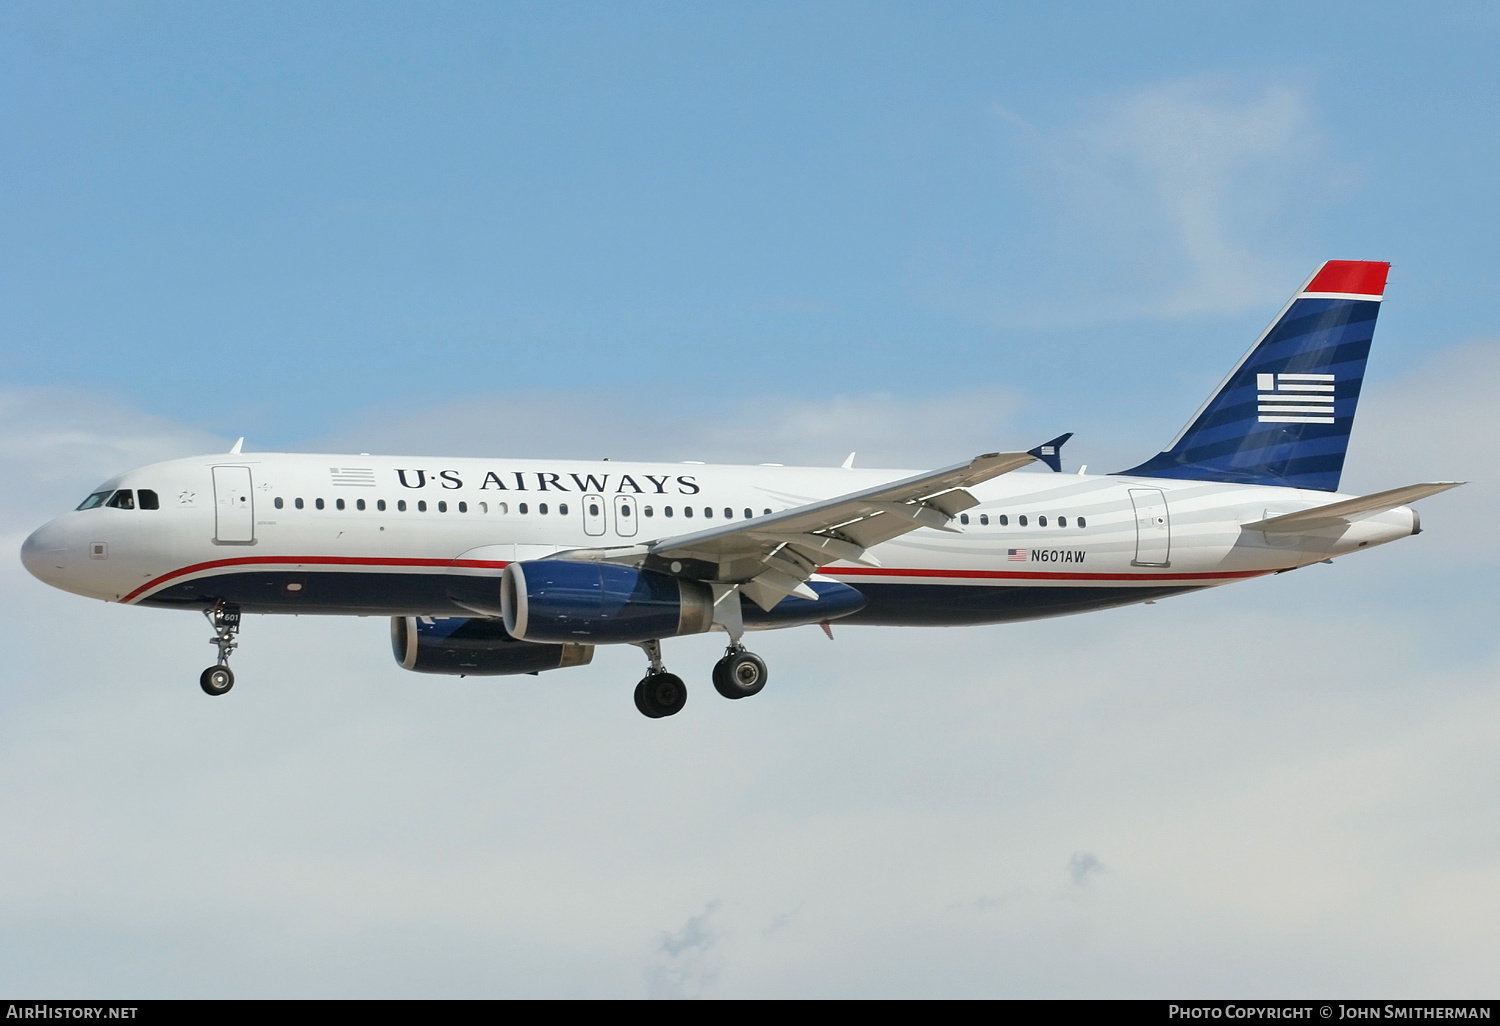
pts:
[418, 536]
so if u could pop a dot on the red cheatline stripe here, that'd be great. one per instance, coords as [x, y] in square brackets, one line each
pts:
[1356, 277]
[315, 560]
[488, 564]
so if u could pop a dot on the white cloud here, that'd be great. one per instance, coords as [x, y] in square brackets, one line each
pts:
[1179, 199]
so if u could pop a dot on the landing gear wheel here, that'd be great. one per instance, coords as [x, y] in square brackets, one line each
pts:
[740, 675]
[216, 680]
[660, 694]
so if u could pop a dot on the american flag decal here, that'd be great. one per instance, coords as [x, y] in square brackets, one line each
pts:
[1295, 398]
[353, 477]
[1016, 555]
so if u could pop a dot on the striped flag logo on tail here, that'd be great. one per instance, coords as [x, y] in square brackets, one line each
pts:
[1295, 398]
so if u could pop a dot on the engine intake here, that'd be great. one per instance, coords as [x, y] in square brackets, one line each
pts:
[477, 647]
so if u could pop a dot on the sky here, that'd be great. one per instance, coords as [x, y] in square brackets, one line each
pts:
[751, 233]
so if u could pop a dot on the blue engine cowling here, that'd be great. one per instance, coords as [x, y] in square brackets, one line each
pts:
[553, 600]
[558, 600]
[477, 647]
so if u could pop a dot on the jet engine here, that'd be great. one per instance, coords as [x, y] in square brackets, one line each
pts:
[555, 600]
[477, 647]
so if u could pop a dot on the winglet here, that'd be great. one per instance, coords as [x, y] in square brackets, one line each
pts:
[1050, 453]
[235, 448]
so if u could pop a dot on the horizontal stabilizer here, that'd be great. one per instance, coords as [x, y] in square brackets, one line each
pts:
[1337, 513]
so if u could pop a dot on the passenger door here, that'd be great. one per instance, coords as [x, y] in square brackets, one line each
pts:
[234, 506]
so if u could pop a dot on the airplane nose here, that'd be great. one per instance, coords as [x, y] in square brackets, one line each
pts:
[45, 553]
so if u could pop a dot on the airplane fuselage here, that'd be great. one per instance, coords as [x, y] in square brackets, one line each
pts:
[415, 536]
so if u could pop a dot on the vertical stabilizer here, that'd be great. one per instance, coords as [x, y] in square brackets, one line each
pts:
[1283, 415]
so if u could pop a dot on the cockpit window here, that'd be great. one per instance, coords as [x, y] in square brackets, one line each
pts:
[97, 499]
[122, 499]
[147, 498]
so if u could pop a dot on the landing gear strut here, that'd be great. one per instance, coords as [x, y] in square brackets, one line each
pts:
[225, 618]
[739, 674]
[659, 693]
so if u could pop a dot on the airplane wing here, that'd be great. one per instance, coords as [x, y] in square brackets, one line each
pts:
[1339, 513]
[773, 556]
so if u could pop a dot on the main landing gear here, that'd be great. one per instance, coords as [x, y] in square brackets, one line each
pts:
[225, 618]
[739, 674]
[659, 693]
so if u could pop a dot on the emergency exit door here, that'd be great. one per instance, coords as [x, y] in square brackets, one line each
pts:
[234, 508]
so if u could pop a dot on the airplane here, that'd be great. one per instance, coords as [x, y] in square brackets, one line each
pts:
[510, 566]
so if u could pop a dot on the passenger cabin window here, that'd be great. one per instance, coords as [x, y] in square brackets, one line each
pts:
[380, 505]
[963, 518]
[463, 507]
[297, 503]
[1021, 519]
[1041, 521]
[421, 505]
[94, 500]
[318, 503]
[123, 499]
[1004, 520]
[687, 511]
[400, 505]
[502, 508]
[1062, 521]
[648, 512]
[666, 511]
[562, 508]
[338, 503]
[359, 504]
[279, 503]
[749, 513]
[1082, 522]
[766, 513]
[984, 520]
[148, 500]
[443, 506]
[522, 508]
[541, 508]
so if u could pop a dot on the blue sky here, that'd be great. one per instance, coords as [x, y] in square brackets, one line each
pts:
[753, 232]
[260, 220]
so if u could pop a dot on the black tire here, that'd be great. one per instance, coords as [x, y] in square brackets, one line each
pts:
[721, 679]
[661, 694]
[216, 680]
[643, 701]
[744, 674]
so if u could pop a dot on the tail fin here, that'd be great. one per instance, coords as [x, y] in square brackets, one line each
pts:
[1283, 415]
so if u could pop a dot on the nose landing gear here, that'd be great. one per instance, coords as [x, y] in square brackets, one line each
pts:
[225, 618]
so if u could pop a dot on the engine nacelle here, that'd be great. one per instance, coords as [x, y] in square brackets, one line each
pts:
[558, 600]
[555, 600]
[477, 647]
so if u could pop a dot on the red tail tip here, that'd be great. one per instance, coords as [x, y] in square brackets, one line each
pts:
[1352, 277]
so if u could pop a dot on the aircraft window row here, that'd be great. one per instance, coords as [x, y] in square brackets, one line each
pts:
[1003, 520]
[122, 498]
[421, 506]
[708, 512]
